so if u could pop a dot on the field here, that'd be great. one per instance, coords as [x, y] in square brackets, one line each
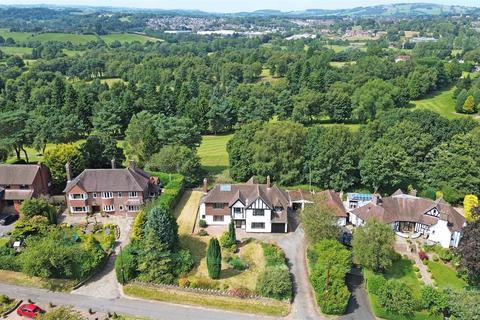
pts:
[445, 276]
[127, 37]
[440, 102]
[19, 51]
[337, 64]
[213, 154]
[74, 38]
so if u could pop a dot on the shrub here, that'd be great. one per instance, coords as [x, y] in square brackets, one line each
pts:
[236, 262]
[275, 282]
[433, 300]
[4, 299]
[435, 258]
[202, 223]
[415, 268]
[8, 259]
[126, 259]
[396, 297]
[374, 283]
[183, 282]
[240, 292]
[202, 233]
[419, 275]
[214, 259]
[422, 255]
[445, 254]
[225, 240]
[183, 262]
[273, 254]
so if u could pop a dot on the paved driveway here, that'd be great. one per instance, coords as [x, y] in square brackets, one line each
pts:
[358, 305]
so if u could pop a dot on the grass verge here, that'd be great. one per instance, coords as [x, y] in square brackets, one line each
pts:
[264, 307]
[20, 279]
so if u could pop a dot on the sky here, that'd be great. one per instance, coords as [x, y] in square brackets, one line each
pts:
[237, 5]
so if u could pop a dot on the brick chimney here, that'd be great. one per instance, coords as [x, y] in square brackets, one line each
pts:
[68, 170]
[376, 199]
[113, 163]
[269, 182]
[205, 185]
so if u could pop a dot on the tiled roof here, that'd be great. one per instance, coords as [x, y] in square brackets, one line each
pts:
[17, 194]
[93, 180]
[247, 193]
[18, 174]
[404, 207]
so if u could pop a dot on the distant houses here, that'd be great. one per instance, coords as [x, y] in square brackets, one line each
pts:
[19, 182]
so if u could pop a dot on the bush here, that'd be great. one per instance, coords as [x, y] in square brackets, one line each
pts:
[275, 282]
[396, 297]
[419, 275]
[8, 259]
[415, 268]
[202, 233]
[126, 259]
[236, 262]
[422, 255]
[183, 262]
[225, 240]
[433, 300]
[240, 293]
[445, 254]
[4, 299]
[435, 258]
[202, 223]
[273, 254]
[183, 282]
[374, 283]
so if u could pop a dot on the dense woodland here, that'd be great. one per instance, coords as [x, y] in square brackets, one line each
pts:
[277, 96]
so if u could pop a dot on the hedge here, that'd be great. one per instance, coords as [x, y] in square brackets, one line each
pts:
[171, 194]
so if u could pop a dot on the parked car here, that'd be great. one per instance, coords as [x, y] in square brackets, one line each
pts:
[29, 310]
[8, 219]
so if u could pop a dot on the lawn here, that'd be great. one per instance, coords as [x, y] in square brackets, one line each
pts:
[267, 307]
[445, 276]
[402, 270]
[214, 156]
[18, 51]
[17, 36]
[251, 253]
[64, 37]
[440, 102]
[186, 211]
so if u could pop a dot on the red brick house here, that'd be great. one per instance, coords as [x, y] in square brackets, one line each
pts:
[111, 191]
[19, 182]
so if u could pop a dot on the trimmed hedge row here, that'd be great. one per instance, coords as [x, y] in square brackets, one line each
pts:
[174, 185]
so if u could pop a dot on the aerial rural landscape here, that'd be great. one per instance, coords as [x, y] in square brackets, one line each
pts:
[161, 163]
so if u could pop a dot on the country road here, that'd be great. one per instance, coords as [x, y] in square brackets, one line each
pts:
[126, 306]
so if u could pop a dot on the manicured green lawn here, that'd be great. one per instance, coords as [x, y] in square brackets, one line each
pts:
[384, 314]
[440, 102]
[213, 150]
[445, 276]
[402, 270]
